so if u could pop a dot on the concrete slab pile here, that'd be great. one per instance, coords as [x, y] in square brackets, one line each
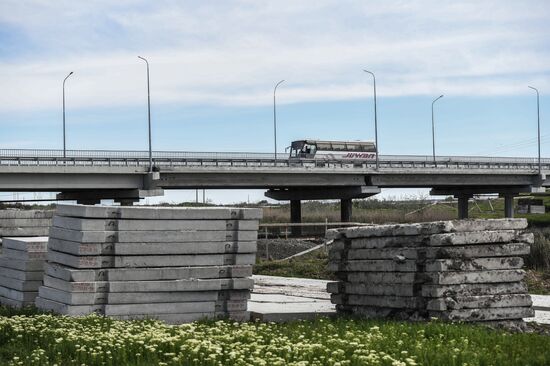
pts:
[468, 270]
[21, 270]
[24, 223]
[172, 264]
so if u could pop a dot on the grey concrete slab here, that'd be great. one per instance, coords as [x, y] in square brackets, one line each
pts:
[22, 265]
[398, 302]
[480, 237]
[160, 308]
[23, 255]
[479, 251]
[383, 277]
[371, 289]
[73, 298]
[383, 242]
[15, 303]
[21, 275]
[160, 213]
[470, 315]
[427, 228]
[541, 302]
[86, 224]
[95, 286]
[23, 296]
[373, 266]
[473, 264]
[474, 289]
[495, 276]
[176, 319]
[26, 244]
[541, 317]
[383, 253]
[182, 285]
[150, 236]
[286, 312]
[479, 302]
[25, 222]
[231, 306]
[19, 285]
[73, 310]
[24, 231]
[118, 261]
[82, 249]
[489, 224]
[26, 214]
[147, 274]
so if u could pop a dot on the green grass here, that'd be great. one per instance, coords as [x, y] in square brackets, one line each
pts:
[311, 265]
[94, 340]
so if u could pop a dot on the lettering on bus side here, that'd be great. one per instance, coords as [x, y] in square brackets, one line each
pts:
[354, 155]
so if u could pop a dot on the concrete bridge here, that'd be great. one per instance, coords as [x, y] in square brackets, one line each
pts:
[90, 175]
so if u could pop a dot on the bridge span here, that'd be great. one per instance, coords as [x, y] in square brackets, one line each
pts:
[91, 175]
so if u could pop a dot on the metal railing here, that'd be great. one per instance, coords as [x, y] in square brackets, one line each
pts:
[42, 157]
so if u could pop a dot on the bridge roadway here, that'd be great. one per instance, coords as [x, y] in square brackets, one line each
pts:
[89, 176]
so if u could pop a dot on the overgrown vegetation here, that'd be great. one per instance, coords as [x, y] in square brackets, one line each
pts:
[44, 339]
[312, 265]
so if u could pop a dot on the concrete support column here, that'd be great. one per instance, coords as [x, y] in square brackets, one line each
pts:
[296, 216]
[508, 205]
[463, 206]
[345, 210]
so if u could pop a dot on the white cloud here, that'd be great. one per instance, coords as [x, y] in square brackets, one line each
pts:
[233, 52]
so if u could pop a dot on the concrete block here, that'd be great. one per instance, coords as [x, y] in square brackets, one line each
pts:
[160, 213]
[370, 289]
[397, 302]
[150, 236]
[19, 285]
[474, 289]
[456, 278]
[146, 274]
[32, 244]
[22, 255]
[471, 315]
[480, 237]
[182, 285]
[479, 302]
[21, 275]
[473, 264]
[24, 231]
[383, 277]
[73, 310]
[93, 262]
[427, 228]
[26, 214]
[23, 296]
[85, 224]
[25, 222]
[22, 265]
[479, 251]
[82, 249]
[374, 266]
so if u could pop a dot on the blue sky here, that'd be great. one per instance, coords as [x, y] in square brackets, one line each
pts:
[214, 65]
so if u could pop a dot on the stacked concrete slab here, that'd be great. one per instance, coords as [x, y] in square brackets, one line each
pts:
[173, 264]
[466, 270]
[24, 223]
[21, 270]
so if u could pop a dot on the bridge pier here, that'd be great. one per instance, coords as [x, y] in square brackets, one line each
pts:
[296, 217]
[509, 206]
[346, 207]
[463, 206]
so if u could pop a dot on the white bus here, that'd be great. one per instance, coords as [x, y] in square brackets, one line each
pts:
[352, 151]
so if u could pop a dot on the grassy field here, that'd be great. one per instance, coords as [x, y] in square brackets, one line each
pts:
[40, 339]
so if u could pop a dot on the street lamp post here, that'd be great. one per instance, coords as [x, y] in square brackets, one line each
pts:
[149, 116]
[64, 140]
[538, 122]
[275, 119]
[375, 118]
[433, 128]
